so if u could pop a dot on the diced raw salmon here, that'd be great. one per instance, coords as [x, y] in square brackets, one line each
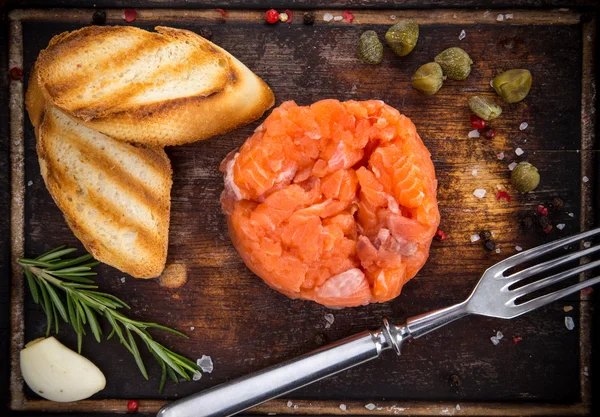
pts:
[333, 202]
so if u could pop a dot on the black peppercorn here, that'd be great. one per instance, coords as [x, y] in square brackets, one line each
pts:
[454, 380]
[485, 235]
[308, 18]
[527, 222]
[489, 245]
[544, 222]
[99, 17]
[557, 203]
[205, 33]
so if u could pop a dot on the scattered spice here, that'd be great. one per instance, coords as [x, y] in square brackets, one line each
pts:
[503, 195]
[132, 406]
[272, 16]
[523, 126]
[429, 78]
[557, 203]
[223, 13]
[588, 290]
[454, 380]
[290, 15]
[542, 210]
[283, 17]
[569, 323]
[440, 235]
[348, 16]
[99, 17]
[129, 15]
[548, 229]
[490, 133]
[205, 33]
[477, 122]
[489, 245]
[525, 177]
[15, 73]
[567, 308]
[308, 18]
[517, 339]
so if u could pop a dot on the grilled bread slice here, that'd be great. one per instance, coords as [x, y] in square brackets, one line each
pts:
[115, 196]
[160, 88]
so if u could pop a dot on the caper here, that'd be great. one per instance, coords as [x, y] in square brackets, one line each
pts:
[455, 63]
[513, 85]
[484, 108]
[402, 37]
[370, 49]
[525, 177]
[428, 78]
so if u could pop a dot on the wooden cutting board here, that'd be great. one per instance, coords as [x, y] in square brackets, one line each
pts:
[245, 326]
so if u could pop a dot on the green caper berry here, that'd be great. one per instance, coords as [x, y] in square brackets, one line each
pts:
[513, 85]
[428, 79]
[455, 63]
[525, 177]
[370, 48]
[402, 37]
[484, 108]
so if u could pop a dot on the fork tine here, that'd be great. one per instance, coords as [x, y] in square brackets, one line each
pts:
[548, 298]
[548, 247]
[525, 273]
[553, 279]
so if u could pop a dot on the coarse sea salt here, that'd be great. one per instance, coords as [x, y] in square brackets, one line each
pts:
[328, 17]
[457, 407]
[587, 244]
[585, 371]
[569, 324]
[518, 248]
[343, 407]
[571, 214]
[205, 363]
[475, 237]
[370, 406]
[500, 156]
[479, 193]
[499, 187]
[123, 280]
[486, 13]
[474, 172]
[519, 151]
[500, 17]
[393, 17]
[508, 16]
[197, 375]
[560, 226]
[192, 328]
[474, 134]
[329, 318]
[523, 126]
[494, 340]
[512, 165]
[585, 179]
[30, 183]
[498, 250]
[499, 335]
[290, 404]
[462, 35]
[338, 18]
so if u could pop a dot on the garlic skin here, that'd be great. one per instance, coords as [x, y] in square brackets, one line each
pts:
[57, 373]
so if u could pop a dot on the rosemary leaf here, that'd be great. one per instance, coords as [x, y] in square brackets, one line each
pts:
[56, 254]
[47, 308]
[33, 286]
[136, 353]
[93, 321]
[57, 302]
[51, 251]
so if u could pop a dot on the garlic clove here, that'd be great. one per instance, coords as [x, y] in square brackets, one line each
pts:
[57, 373]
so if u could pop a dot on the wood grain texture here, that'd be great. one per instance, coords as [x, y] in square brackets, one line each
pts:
[245, 326]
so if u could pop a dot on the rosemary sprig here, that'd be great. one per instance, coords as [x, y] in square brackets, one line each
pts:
[82, 305]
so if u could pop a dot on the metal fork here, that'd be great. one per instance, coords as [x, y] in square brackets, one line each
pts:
[493, 296]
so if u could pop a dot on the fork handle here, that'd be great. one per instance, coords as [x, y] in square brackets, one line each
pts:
[238, 395]
[420, 325]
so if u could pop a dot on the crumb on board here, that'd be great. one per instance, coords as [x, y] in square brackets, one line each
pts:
[174, 276]
[569, 323]
[567, 308]
[479, 193]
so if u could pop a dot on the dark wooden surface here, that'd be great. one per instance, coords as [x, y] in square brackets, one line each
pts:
[246, 326]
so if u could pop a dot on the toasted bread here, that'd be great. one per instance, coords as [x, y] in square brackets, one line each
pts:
[160, 88]
[115, 196]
